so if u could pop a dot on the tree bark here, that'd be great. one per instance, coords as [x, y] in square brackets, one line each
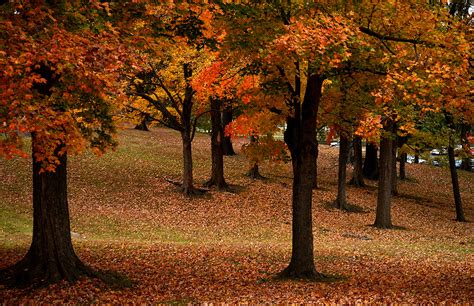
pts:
[188, 187]
[217, 170]
[187, 133]
[383, 217]
[394, 165]
[357, 176]
[455, 184]
[341, 200]
[370, 169]
[315, 178]
[300, 137]
[228, 149]
[51, 256]
[403, 160]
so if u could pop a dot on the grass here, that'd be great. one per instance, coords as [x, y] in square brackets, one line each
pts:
[218, 248]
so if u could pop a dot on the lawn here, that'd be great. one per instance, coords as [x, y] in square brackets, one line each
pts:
[228, 246]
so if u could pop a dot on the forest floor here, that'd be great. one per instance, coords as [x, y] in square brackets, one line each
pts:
[226, 247]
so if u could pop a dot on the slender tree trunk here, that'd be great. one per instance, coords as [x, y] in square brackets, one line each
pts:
[403, 160]
[300, 137]
[341, 200]
[187, 134]
[188, 187]
[217, 170]
[466, 162]
[254, 172]
[383, 217]
[143, 125]
[357, 176]
[51, 256]
[227, 142]
[394, 167]
[370, 169]
[417, 158]
[455, 184]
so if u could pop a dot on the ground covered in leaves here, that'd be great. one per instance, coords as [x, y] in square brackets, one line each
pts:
[226, 247]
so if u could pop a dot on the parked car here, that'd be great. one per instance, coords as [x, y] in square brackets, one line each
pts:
[411, 160]
[442, 151]
[334, 143]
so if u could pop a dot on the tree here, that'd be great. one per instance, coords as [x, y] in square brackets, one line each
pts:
[228, 149]
[295, 59]
[357, 179]
[217, 147]
[165, 81]
[60, 63]
[370, 169]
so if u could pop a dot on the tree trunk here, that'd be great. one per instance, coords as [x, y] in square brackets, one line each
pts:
[315, 178]
[143, 125]
[370, 169]
[357, 176]
[466, 161]
[217, 170]
[394, 167]
[51, 256]
[383, 217]
[187, 134]
[341, 200]
[227, 142]
[300, 137]
[188, 187]
[403, 160]
[455, 184]
[254, 173]
[417, 158]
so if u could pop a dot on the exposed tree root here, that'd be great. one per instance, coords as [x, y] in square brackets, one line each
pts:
[347, 207]
[291, 273]
[30, 273]
[220, 186]
[193, 191]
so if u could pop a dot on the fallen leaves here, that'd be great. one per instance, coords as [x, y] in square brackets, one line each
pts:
[227, 247]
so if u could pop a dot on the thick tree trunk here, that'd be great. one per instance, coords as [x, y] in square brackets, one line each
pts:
[383, 217]
[455, 184]
[227, 142]
[341, 200]
[300, 137]
[51, 256]
[394, 167]
[403, 160]
[370, 169]
[217, 170]
[315, 178]
[357, 176]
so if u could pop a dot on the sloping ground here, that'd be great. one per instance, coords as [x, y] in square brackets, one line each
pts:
[226, 247]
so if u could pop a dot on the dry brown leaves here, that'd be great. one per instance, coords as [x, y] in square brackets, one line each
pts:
[227, 247]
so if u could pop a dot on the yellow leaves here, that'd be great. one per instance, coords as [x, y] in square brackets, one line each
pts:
[370, 127]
